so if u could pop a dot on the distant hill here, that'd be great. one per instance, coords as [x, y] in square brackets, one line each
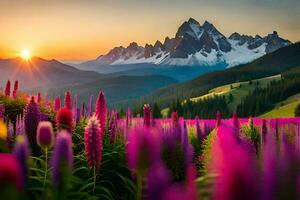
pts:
[269, 65]
[41, 73]
[116, 88]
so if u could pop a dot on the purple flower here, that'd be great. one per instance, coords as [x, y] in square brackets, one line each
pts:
[22, 153]
[93, 143]
[142, 149]
[158, 180]
[45, 136]
[147, 115]
[234, 165]
[101, 111]
[62, 158]
[32, 119]
[200, 135]
[16, 86]
[113, 128]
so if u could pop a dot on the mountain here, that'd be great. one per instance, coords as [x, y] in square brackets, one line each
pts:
[274, 63]
[38, 72]
[193, 45]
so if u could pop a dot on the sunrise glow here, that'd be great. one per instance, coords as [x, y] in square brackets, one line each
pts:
[25, 54]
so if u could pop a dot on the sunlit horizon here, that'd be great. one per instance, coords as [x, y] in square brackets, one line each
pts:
[78, 31]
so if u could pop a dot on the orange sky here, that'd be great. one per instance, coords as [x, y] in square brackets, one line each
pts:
[81, 30]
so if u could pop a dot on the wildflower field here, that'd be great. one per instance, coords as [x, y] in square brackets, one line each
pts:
[61, 149]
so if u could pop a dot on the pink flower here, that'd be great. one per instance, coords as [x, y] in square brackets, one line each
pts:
[68, 100]
[45, 136]
[64, 119]
[93, 142]
[101, 111]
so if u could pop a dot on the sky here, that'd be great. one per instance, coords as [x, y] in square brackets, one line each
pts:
[82, 30]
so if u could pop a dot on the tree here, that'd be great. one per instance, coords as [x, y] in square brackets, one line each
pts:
[297, 110]
[156, 111]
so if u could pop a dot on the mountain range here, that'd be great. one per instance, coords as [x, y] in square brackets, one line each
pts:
[193, 45]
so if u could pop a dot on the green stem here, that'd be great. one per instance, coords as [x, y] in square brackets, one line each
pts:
[46, 167]
[139, 184]
[94, 179]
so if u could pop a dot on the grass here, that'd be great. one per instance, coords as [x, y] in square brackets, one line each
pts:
[284, 108]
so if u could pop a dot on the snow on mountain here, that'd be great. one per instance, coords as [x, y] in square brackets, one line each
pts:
[195, 44]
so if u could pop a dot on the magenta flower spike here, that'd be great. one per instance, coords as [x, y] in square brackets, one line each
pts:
[235, 166]
[45, 135]
[64, 119]
[62, 159]
[57, 104]
[219, 118]
[2, 112]
[16, 87]
[7, 88]
[142, 148]
[93, 143]
[101, 111]
[10, 172]
[75, 106]
[147, 115]
[175, 119]
[113, 128]
[68, 100]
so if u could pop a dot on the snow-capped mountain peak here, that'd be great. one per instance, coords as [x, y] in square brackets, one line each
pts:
[196, 44]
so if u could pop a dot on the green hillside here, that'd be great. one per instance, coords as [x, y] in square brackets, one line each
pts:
[269, 65]
[238, 90]
[284, 108]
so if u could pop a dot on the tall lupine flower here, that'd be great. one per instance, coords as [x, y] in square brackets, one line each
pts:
[219, 118]
[10, 173]
[187, 147]
[57, 104]
[142, 150]
[90, 107]
[22, 153]
[62, 159]
[113, 128]
[32, 119]
[20, 126]
[64, 119]
[147, 115]
[15, 91]
[156, 187]
[7, 88]
[200, 135]
[175, 119]
[82, 110]
[234, 164]
[128, 117]
[10, 135]
[191, 188]
[75, 106]
[45, 135]
[93, 145]
[78, 115]
[101, 111]
[2, 112]
[39, 97]
[235, 122]
[68, 100]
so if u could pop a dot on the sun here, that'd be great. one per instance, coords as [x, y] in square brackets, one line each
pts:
[25, 54]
